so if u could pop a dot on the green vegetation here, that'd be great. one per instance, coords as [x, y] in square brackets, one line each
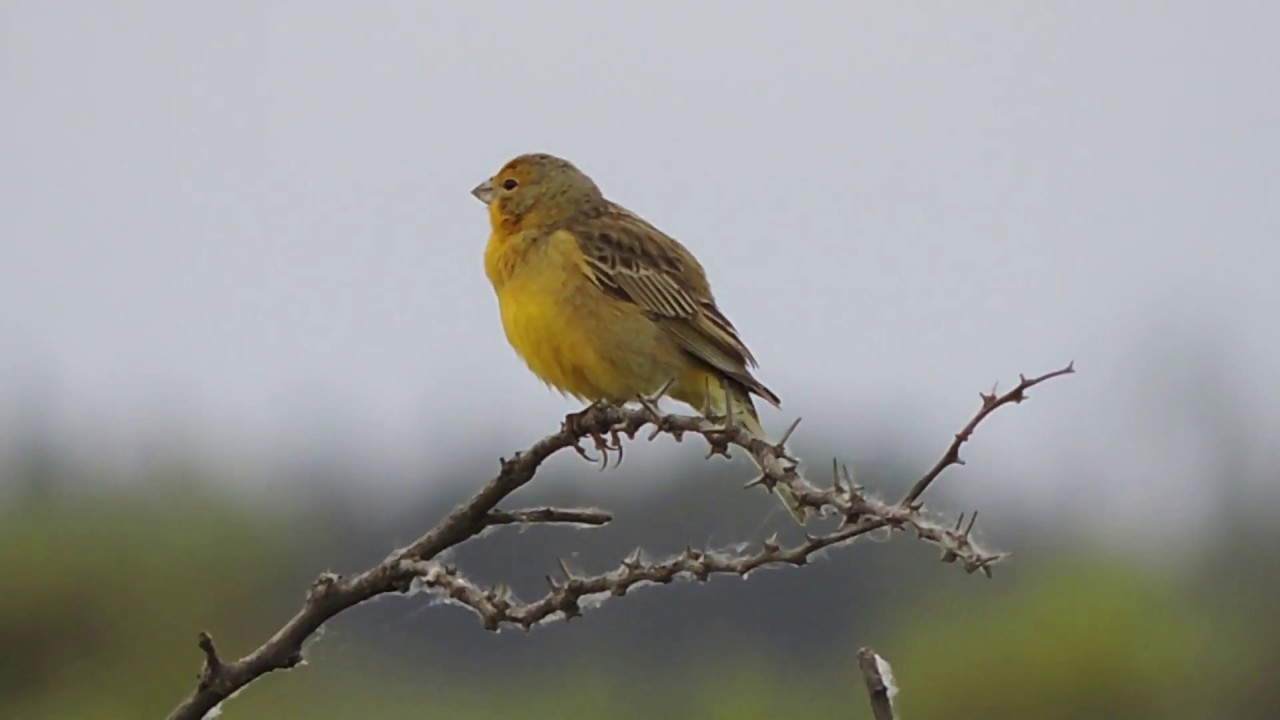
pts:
[104, 592]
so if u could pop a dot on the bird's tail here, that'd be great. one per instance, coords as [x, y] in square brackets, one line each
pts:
[743, 411]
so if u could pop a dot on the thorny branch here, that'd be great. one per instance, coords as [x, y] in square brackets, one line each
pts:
[416, 567]
[990, 402]
[564, 516]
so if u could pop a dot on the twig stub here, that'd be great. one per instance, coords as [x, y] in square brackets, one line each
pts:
[880, 683]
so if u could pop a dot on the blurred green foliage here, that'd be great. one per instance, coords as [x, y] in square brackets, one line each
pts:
[104, 591]
[1084, 637]
[102, 595]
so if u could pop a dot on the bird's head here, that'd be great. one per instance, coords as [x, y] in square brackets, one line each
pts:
[537, 190]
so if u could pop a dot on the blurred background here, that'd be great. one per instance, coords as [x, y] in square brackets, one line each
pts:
[245, 337]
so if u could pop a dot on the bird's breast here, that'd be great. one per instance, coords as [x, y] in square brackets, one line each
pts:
[568, 331]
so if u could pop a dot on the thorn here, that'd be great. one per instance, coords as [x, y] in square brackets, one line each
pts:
[551, 582]
[633, 560]
[771, 544]
[959, 523]
[691, 554]
[972, 519]
[718, 446]
[848, 478]
[786, 435]
[848, 474]
[650, 402]
[761, 479]
[564, 568]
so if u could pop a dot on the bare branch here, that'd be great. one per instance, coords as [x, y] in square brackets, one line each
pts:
[880, 685]
[990, 402]
[567, 596]
[331, 594]
[416, 567]
[566, 516]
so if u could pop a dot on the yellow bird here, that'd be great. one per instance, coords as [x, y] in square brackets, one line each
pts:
[602, 305]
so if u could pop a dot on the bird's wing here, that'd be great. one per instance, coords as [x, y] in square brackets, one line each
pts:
[635, 262]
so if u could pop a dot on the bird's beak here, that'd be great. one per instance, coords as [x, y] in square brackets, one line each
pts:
[484, 191]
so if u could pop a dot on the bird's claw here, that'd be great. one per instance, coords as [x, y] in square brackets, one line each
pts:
[577, 425]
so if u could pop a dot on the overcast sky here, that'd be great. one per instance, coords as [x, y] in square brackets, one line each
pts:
[244, 228]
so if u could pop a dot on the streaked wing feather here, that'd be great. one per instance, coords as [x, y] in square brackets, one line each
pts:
[717, 325]
[620, 262]
[633, 261]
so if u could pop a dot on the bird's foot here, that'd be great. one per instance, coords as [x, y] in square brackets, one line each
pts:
[708, 410]
[584, 424]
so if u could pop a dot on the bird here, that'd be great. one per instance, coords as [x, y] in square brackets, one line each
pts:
[603, 306]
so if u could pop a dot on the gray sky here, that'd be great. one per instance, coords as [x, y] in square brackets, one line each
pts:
[244, 227]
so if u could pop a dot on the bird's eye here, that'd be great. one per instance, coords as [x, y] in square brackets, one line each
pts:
[509, 184]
